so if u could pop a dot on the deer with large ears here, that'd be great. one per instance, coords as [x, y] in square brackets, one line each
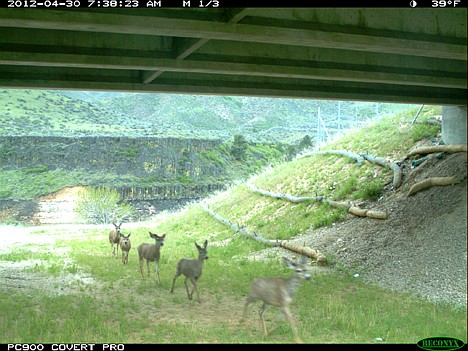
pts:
[125, 246]
[114, 238]
[151, 253]
[279, 292]
[192, 270]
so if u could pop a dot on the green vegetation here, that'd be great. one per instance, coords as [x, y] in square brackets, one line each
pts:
[259, 120]
[31, 182]
[103, 205]
[118, 306]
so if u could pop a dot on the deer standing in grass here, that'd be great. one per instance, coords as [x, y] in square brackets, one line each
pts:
[114, 238]
[278, 292]
[125, 246]
[151, 253]
[191, 269]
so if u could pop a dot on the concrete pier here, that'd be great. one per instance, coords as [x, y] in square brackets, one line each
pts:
[454, 124]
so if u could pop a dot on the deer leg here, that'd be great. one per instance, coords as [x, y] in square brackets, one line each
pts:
[244, 313]
[148, 268]
[290, 320]
[261, 312]
[194, 288]
[173, 280]
[141, 267]
[157, 272]
[186, 288]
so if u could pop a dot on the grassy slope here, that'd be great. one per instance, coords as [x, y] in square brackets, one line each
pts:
[333, 308]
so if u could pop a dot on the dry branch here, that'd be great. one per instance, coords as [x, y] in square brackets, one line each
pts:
[295, 199]
[394, 166]
[430, 182]
[438, 148]
[351, 209]
[314, 254]
[239, 229]
[356, 157]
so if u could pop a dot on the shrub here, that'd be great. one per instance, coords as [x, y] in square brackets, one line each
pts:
[239, 147]
[103, 205]
[5, 193]
[420, 132]
[370, 190]
[38, 169]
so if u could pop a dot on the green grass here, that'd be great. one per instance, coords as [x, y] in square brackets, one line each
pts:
[120, 307]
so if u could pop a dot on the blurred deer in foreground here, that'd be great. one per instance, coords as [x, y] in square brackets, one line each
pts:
[191, 269]
[151, 253]
[114, 238]
[278, 292]
[125, 246]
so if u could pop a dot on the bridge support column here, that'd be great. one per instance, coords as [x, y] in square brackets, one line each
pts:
[454, 124]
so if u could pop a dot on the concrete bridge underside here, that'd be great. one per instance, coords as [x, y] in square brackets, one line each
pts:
[404, 55]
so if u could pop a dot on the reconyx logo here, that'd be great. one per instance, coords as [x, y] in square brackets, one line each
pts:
[440, 343]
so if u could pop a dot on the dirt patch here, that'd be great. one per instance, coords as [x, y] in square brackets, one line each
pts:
[58, 207]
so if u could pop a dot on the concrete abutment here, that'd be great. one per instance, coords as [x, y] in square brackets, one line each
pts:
[454, 124]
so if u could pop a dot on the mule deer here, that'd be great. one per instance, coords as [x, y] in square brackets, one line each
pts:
[278, 292]
[151, 253]
[191, 269]
[125, 246]
[114, 238]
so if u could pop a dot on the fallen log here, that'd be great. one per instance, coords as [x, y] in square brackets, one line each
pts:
[295, 199]
[239, 229]
[394, 166]
[430, 182]
[357, 211]
[356, 157]
[438, 148]
[321, 260]
[377, 214]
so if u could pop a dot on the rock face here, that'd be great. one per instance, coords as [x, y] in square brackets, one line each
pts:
[164, 162]
[156, 158]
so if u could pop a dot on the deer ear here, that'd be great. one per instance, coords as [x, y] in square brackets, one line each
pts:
[205, 243]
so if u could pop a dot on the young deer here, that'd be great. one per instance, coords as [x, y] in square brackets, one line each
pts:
[278, 292]
[191, 269]
[114, 238]
[125, 246]
[151, 253]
